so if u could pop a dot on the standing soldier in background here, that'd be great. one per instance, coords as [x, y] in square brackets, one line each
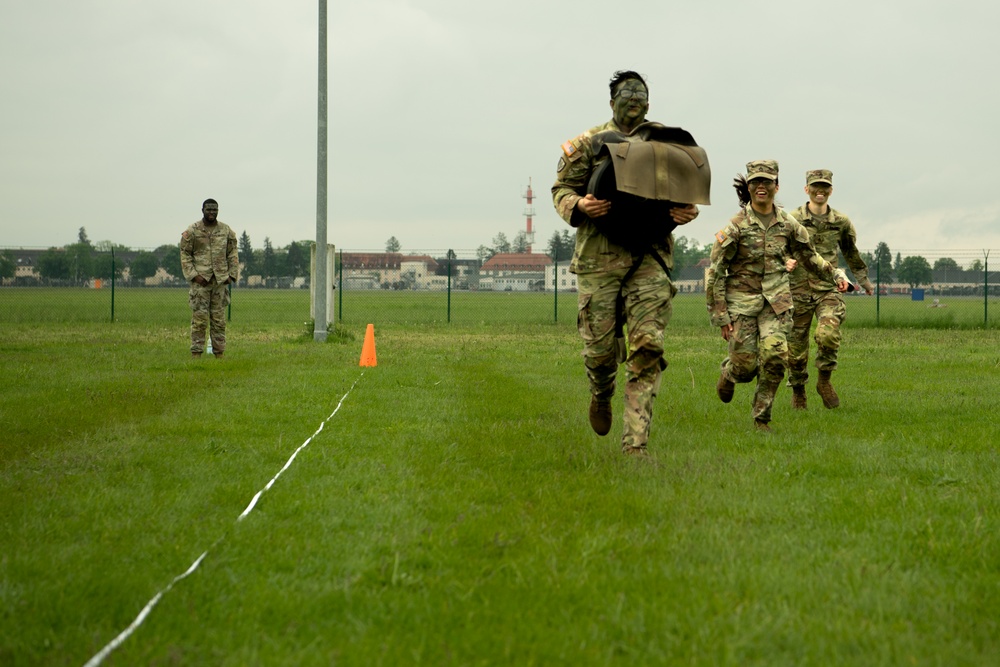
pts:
[829, 230]
[611, 277]
[210, 263]
[748, 292]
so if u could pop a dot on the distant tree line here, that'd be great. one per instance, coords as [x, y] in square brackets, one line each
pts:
[561, 244]
[292, 261]
[502, 245]
[560, 247]
[8, 265]
[913, 270]
[82, 261]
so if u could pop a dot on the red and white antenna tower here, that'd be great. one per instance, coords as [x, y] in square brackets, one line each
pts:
[529, 213]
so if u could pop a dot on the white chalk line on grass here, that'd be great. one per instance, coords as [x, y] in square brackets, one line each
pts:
[117, 641]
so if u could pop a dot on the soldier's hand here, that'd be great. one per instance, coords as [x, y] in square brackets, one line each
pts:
[790, 264]
[869, 288]
[684, 215]
[842, 285]
[201, 281]
[592, 207]
[727, 331]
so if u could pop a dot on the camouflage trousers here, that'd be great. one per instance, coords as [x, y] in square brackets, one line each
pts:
[648, 293]
[758, 347]
[830, 312]
[208, 305]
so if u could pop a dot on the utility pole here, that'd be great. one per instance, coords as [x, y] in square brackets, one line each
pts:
[321, 317]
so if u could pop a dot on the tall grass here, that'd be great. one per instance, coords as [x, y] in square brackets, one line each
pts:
[458, 510]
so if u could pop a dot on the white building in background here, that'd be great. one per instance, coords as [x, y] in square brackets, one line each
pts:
[514, 272]
[369, 270]
[559, 277]
[419, 272]
[376, 270]
[161, 278]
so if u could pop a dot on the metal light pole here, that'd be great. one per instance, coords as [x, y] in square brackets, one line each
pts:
[319, 291]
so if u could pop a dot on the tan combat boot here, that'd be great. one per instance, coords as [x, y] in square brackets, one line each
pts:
[600, 415]
[799, 397]
[762, 426]
[826, 390]
[196, 355]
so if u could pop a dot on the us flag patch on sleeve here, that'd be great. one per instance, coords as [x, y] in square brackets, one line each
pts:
[569, 148]
[720, 236]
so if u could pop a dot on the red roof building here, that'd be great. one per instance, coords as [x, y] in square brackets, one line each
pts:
[504, 263]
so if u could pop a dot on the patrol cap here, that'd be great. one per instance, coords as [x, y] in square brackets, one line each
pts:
[762, 169]
[819, 176]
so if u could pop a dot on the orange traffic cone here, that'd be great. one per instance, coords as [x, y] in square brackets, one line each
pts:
[368, 349]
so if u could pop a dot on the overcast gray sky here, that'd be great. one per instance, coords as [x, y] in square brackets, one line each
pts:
[122, 116]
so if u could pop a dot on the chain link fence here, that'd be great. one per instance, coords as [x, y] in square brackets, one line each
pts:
[913, 289]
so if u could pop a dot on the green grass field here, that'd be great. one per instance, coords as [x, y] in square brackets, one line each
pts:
[457, 509]
[273, 307]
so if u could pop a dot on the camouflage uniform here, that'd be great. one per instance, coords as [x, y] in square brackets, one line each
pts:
[601, 268]
[211, 252]
[747, 286]
[816, 296]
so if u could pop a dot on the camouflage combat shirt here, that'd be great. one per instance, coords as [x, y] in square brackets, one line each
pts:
[827, 233]
[593, 252]
[210, 250]
[748, 265]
